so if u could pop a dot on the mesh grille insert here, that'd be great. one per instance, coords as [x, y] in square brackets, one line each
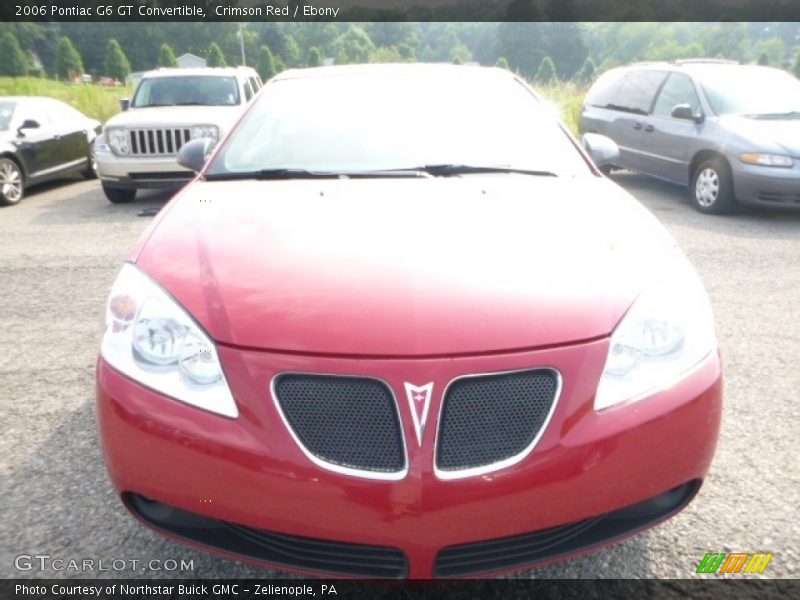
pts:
[490, 418]
[347, 421]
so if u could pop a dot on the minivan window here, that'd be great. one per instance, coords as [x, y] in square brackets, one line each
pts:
[637, 91]
[633, 91]
[756, 91]
[678, 89]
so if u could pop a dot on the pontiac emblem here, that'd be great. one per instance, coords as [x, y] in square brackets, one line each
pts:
[419, 400]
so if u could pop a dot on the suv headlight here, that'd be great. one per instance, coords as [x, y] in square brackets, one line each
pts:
[205, 131]
[118, 140]
[155, 342]
[668, 331]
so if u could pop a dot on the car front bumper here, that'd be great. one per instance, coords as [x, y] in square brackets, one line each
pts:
[768, 186]
[247, 475]
[140, 172]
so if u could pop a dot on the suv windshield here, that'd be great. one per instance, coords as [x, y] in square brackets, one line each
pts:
[751, 91]
[435, 122]
[6, 112]
[185, 90]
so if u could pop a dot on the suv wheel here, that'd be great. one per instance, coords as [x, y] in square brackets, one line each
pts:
[119, 195]
[12, 185]
[712, 189]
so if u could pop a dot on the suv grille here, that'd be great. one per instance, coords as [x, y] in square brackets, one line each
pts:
[350, 422]
[158, 142]
[491, 418]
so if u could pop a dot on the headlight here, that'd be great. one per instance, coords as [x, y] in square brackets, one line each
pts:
[118, 140]
[766, 160]
[205, 131]
[100, 144]
[152, 340]
[667, 331]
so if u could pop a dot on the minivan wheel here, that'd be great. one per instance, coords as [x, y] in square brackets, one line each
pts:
[12, 184]
[119, 195]
[712, 189]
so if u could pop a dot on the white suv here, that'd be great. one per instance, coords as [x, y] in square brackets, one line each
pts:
[138, 147]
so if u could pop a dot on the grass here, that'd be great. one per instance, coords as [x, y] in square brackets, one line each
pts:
[98, 102]
[567, 98]
[102, 103]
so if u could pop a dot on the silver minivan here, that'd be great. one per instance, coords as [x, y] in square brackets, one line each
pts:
[730, 132]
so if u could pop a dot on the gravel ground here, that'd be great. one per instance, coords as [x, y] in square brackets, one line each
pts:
[64, 244]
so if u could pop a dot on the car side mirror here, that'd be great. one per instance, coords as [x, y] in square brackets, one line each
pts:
[27, 124]
[601, 149]
[194, 154]
[124, 104]
[684, 111]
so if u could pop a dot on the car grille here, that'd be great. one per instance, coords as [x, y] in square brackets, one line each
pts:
[349, 422]
[488, 419]
[158, 142]
[326, 556]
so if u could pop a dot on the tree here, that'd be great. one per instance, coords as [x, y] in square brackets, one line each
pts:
[773, 49]
[314, 57]
[265, 64]
[353, 46]
[502, 63]
[166, 57]
[117, 65]
[547, 71]
[587, 72]
[796, 65]
[68, 62]
[215, 56]
[763, 59]
[279, 64]
[14, 63]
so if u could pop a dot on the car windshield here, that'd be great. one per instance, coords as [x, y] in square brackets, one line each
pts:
[186, 90]
[751, 91]
[6, 112]
[443, 122]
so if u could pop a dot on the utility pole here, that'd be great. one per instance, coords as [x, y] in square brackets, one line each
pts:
[241, 44]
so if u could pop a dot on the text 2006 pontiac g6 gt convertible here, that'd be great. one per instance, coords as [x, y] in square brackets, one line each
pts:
[401, 326]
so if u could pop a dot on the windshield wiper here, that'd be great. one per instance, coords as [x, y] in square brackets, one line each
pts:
[792, 114]
[290, 173]
[446, 170]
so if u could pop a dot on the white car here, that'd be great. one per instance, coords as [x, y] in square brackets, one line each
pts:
[139, 146]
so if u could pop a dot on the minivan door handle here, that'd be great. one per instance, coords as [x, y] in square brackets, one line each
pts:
[649, 128]
[637, 125]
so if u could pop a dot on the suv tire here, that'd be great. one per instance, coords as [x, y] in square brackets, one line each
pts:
[119, 195]
[711, 190]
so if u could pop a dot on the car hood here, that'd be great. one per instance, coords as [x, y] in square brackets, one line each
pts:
[169, 116]
[768, 135]
[405, 267]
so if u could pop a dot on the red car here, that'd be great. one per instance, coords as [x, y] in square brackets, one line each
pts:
[400, 326]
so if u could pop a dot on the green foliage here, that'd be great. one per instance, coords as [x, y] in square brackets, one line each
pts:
[95, 101]
[546, 74]
[587, 73]
[460, 55]
[265, 64]
[796, 65]
[314, 57]
[14, 62]
[726, 40]
[353, 46]
[291, 52]
[68, 62]
[279, 64]
[502, 63]
[771, 51]
[166, 57]
[117, 65]
[215, 56]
